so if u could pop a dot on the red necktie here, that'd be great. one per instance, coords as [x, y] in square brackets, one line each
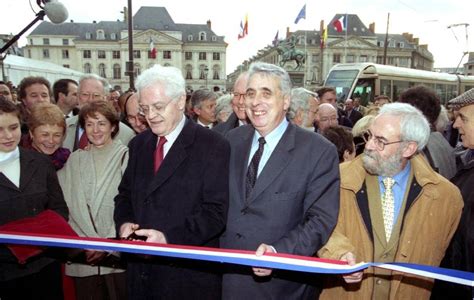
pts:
[83, 141]
[159, 153]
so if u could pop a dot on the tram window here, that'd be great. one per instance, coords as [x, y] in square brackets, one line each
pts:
[342, 81]
[450, 93]
[364, 89]
[386, 88]
[440, 89]
[398, 88]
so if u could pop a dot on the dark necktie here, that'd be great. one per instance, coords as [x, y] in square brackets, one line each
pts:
[253, 168]
[159, 153]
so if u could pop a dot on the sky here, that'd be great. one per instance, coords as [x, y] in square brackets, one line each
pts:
[426, 19]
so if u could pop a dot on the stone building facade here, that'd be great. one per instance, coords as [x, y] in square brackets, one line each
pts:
[102, 48]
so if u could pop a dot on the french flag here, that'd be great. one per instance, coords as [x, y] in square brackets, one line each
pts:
[340, 24]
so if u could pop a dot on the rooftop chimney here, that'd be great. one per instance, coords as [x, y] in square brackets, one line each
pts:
[372, 27]
[209, 24]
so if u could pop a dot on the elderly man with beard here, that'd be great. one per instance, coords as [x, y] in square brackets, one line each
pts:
[394, 207]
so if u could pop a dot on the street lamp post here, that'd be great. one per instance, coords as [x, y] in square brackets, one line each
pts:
[206, 72]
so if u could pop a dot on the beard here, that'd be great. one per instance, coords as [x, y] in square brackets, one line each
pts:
[376, 165]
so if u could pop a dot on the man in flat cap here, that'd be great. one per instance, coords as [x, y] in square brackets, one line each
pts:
[460, 252]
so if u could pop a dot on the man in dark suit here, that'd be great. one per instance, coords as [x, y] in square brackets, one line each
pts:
[283, 186]
[176, 192]
[352, 114]
[239, 117]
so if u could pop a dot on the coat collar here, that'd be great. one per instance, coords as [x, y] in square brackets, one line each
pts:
[176, 155]
[27, 171]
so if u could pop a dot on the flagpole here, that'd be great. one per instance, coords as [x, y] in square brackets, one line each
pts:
[345, 43]
[305, 59]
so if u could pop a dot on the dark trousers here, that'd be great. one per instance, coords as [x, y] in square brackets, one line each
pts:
[46, 284]
[101, 287]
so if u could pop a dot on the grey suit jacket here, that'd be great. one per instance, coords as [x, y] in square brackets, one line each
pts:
[124, 135]
[293, 207]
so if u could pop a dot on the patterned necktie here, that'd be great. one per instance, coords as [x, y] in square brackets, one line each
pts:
[388, 206]
[253, 168]
[159, 153]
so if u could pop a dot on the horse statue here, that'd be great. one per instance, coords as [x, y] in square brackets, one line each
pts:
[288, 53]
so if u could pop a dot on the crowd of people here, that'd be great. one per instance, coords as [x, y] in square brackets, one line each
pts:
[267, 168]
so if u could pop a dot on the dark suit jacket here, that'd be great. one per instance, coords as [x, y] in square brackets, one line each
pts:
[293, 207]
[354, 116]
[39, 190]
[231, 123]
[187, 200]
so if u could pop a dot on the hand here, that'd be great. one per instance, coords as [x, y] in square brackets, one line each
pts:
[93, 257]
[263, 248]
[152, 235]
[351, 260]
[127, 229]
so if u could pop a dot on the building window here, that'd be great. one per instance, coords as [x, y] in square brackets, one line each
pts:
[29, 53]
[336, 58]
[350, 58]
[66, 66]
[137, 69]
[100, 34]
[88, 35]
[391, 60]
[86, 54]
[380, 59]
[101, 54]
[381, 44]
[117, 71]
[65, 54]
[136, 54]
[113, 36]
[363, 58]
[189, 72]
[315, 58]
[166, 54]
[102, 70]
[151, 55]
[188, 55]
[202, 55]
[214, 38]
[45, 53]
[190, 37]
[203, 72]
[87, 68]
[45, 41]
[202, 36]
[391, 44]
[215, 72]
[116, 54]
[216, 56]
[31, 42]
[401, 45]
[403, 62]
[65, 42]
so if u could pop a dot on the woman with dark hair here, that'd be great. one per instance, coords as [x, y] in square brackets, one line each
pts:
[90, 182]
[47, 132]
[28, 186]
[342, 139]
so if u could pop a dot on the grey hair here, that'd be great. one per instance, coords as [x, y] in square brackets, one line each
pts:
[272, 71]
[299, 100]
[91, 76]
[202, 95]
[170, 78]
[443, 120]
[413, 124]
[223, 104]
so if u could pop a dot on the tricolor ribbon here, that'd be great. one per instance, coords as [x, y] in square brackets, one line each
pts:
[240, 257]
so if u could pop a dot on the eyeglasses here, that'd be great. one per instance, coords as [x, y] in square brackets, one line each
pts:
[378, 142]
[136, 119]
[94, 96]
[237, 95]
[157, 107]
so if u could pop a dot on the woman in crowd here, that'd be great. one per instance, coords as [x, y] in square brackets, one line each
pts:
[28, 186]
[90, 180]
[47, 132]
[342, 139]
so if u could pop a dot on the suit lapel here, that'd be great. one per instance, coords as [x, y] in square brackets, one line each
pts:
[176, 155]
[242, 152]
[276, 164]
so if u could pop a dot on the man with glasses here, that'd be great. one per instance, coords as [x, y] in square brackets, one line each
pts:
[174, 190]
[394, 207]
[239, 116]
[133, 115]
[91, 88]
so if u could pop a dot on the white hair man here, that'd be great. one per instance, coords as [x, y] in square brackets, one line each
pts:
[303, 108]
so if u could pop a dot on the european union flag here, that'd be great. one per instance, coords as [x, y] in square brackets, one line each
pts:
[301, 15]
